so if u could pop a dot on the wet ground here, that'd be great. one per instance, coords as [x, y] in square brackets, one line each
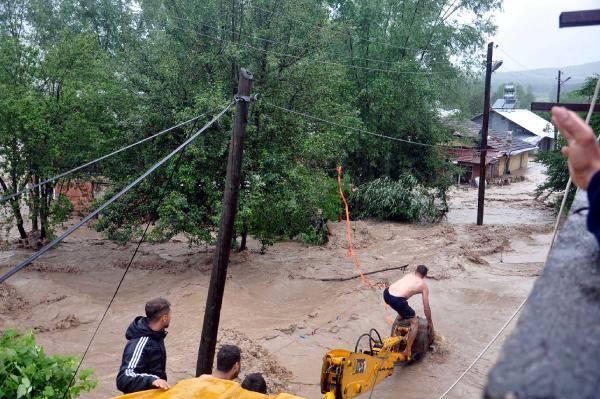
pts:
[277, 309]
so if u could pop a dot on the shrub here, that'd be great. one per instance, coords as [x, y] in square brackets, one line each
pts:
[402, 200]
[27, 372]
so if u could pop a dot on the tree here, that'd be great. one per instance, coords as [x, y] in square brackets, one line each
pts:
[100, 74]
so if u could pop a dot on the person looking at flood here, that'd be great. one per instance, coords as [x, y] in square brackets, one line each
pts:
[255, 382]
[398, 294]
[144, 357]
[229, 361]
[583, 157]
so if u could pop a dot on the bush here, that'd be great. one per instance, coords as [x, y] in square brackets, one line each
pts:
[60, 210]
[402, 200]
[557, 172]
[27, 372]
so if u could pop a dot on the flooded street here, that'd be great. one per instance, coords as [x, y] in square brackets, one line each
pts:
[280, 312]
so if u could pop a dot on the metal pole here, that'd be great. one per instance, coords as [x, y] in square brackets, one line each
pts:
[557, 101]
[214, 300]
[558, 89]
[484, 134]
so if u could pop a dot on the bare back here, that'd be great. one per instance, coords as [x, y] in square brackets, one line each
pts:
[408, 286]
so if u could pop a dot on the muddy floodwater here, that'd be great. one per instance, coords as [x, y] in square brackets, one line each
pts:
[277, 308]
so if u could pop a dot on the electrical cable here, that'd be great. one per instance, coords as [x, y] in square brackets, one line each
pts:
[86, 219]
[85, 165]
[362, 130]
[522, 304]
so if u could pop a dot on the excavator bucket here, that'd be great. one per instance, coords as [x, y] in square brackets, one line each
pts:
[204, 387]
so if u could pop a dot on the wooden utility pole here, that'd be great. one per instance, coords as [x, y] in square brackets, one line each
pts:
[484, 133]
[214, 300]
[558, 88]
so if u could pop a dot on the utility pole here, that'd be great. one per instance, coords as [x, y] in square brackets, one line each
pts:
[484, 133]
[214, 300]
[558, 89]
[560, 83]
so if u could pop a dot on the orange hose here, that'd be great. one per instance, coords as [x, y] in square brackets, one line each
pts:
[351, 252]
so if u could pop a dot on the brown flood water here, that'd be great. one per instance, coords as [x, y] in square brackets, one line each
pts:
[279, 313]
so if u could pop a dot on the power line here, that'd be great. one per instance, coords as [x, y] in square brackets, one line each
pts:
[417, 143]
[342, 33]
[391, 71]
[53, 179]
[141, 240]
[284, 44]
[523, 73]
[516, 312]
[57, 240]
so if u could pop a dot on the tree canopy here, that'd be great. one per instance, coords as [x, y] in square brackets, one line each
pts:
[82, 78]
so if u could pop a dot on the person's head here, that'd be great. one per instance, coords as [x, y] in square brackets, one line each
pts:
[422, 271]
[228, 361]
[255, 382]
[158, 312]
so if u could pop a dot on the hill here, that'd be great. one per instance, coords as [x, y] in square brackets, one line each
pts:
[543, 80]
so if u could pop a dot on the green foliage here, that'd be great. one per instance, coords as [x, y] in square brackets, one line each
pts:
[60, 210]
[81, 78]
[557, 172]
[27, 372]
[402, 200]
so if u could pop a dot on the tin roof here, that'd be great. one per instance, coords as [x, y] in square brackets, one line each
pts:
[529, 121]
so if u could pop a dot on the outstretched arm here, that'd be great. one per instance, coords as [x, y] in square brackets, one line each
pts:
[426, 307]
[583, 152]
[584, 160]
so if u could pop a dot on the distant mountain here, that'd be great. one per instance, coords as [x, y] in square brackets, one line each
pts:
[543, 80]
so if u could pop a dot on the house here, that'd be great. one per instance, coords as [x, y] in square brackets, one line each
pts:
[506, 156]
[81, 193]
[524, 125]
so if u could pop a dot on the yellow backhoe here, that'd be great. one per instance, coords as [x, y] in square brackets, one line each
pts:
[344, 375]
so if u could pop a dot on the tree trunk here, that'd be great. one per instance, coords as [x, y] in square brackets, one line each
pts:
[244, 237]
[16, 211]
[45, 202]
[35, 205]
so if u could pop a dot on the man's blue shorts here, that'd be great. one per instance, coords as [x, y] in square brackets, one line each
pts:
[399, 304]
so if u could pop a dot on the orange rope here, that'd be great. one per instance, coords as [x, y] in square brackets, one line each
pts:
[351, 252]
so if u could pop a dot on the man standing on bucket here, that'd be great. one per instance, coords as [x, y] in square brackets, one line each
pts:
[397, 295]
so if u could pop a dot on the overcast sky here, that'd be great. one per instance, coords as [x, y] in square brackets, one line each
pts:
[528, 31]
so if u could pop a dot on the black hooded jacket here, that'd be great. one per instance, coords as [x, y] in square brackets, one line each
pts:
[144, 357]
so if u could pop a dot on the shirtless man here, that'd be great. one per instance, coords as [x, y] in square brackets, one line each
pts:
[397, 295]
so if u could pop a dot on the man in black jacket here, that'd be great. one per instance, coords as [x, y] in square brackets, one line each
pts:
[144, 357]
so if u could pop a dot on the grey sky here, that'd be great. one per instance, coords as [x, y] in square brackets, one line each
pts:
[528, 31]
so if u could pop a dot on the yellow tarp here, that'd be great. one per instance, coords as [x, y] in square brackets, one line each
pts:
[204, 387]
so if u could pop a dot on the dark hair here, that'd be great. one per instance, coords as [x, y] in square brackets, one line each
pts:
[422, 270]
[227, 357]
[255, 382]
[157, 307]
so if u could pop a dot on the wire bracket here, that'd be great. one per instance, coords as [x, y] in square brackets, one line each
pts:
[237, 98]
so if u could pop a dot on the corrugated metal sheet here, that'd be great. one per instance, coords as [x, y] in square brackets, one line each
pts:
[496, 140]
[502, 104]
[533, 140]
[529, 121]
